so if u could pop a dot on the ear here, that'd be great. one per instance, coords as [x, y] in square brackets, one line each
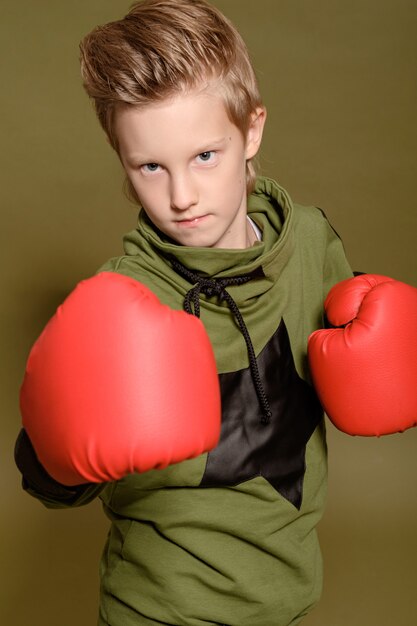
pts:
[255, 130]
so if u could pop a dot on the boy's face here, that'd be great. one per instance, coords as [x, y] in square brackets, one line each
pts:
[187, 163]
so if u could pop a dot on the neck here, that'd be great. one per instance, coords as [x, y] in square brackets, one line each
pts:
[250, 234]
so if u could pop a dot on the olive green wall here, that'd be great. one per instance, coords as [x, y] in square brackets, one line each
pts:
[339, 81]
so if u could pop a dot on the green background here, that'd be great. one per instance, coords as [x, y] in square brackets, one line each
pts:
[339, 80]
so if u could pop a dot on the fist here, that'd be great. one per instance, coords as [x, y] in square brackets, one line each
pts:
[365, 368]
[119, 383]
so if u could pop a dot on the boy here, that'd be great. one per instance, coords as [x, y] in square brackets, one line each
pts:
[229, 536]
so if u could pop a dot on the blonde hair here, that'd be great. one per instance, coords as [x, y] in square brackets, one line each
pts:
[164, 47]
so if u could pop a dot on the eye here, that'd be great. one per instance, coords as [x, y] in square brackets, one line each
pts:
[150, 168]
[206, 156]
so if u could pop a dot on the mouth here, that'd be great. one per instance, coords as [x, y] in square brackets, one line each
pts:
[191, 221]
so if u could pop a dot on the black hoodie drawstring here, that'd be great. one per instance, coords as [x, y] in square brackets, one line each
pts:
[217, 287]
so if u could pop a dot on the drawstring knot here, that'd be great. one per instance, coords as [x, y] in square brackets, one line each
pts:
[212, 287]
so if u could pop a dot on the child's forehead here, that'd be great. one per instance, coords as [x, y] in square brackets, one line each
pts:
[189, 122]
[193, 109]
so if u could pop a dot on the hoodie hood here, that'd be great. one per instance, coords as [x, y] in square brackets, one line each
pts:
[270, 208]
[298, 259]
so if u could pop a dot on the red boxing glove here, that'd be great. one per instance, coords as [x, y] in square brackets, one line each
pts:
[365, 372]
[119, 383]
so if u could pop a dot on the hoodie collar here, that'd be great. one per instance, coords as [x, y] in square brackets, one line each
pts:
[271, 209]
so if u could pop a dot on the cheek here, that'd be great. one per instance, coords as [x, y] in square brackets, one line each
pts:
[237, 178]
[149, 195]
[238, 169]
[234, 173]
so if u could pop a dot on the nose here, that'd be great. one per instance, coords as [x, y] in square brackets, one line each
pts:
[183, 190]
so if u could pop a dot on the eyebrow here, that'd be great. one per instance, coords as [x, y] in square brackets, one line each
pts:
[210, 145]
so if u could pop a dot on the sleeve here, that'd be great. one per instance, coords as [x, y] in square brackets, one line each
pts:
[39, 484]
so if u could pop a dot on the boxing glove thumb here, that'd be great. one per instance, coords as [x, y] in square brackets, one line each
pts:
[365, 368]
[119, 383]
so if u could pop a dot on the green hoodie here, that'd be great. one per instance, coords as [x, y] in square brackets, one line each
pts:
[229, 537]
